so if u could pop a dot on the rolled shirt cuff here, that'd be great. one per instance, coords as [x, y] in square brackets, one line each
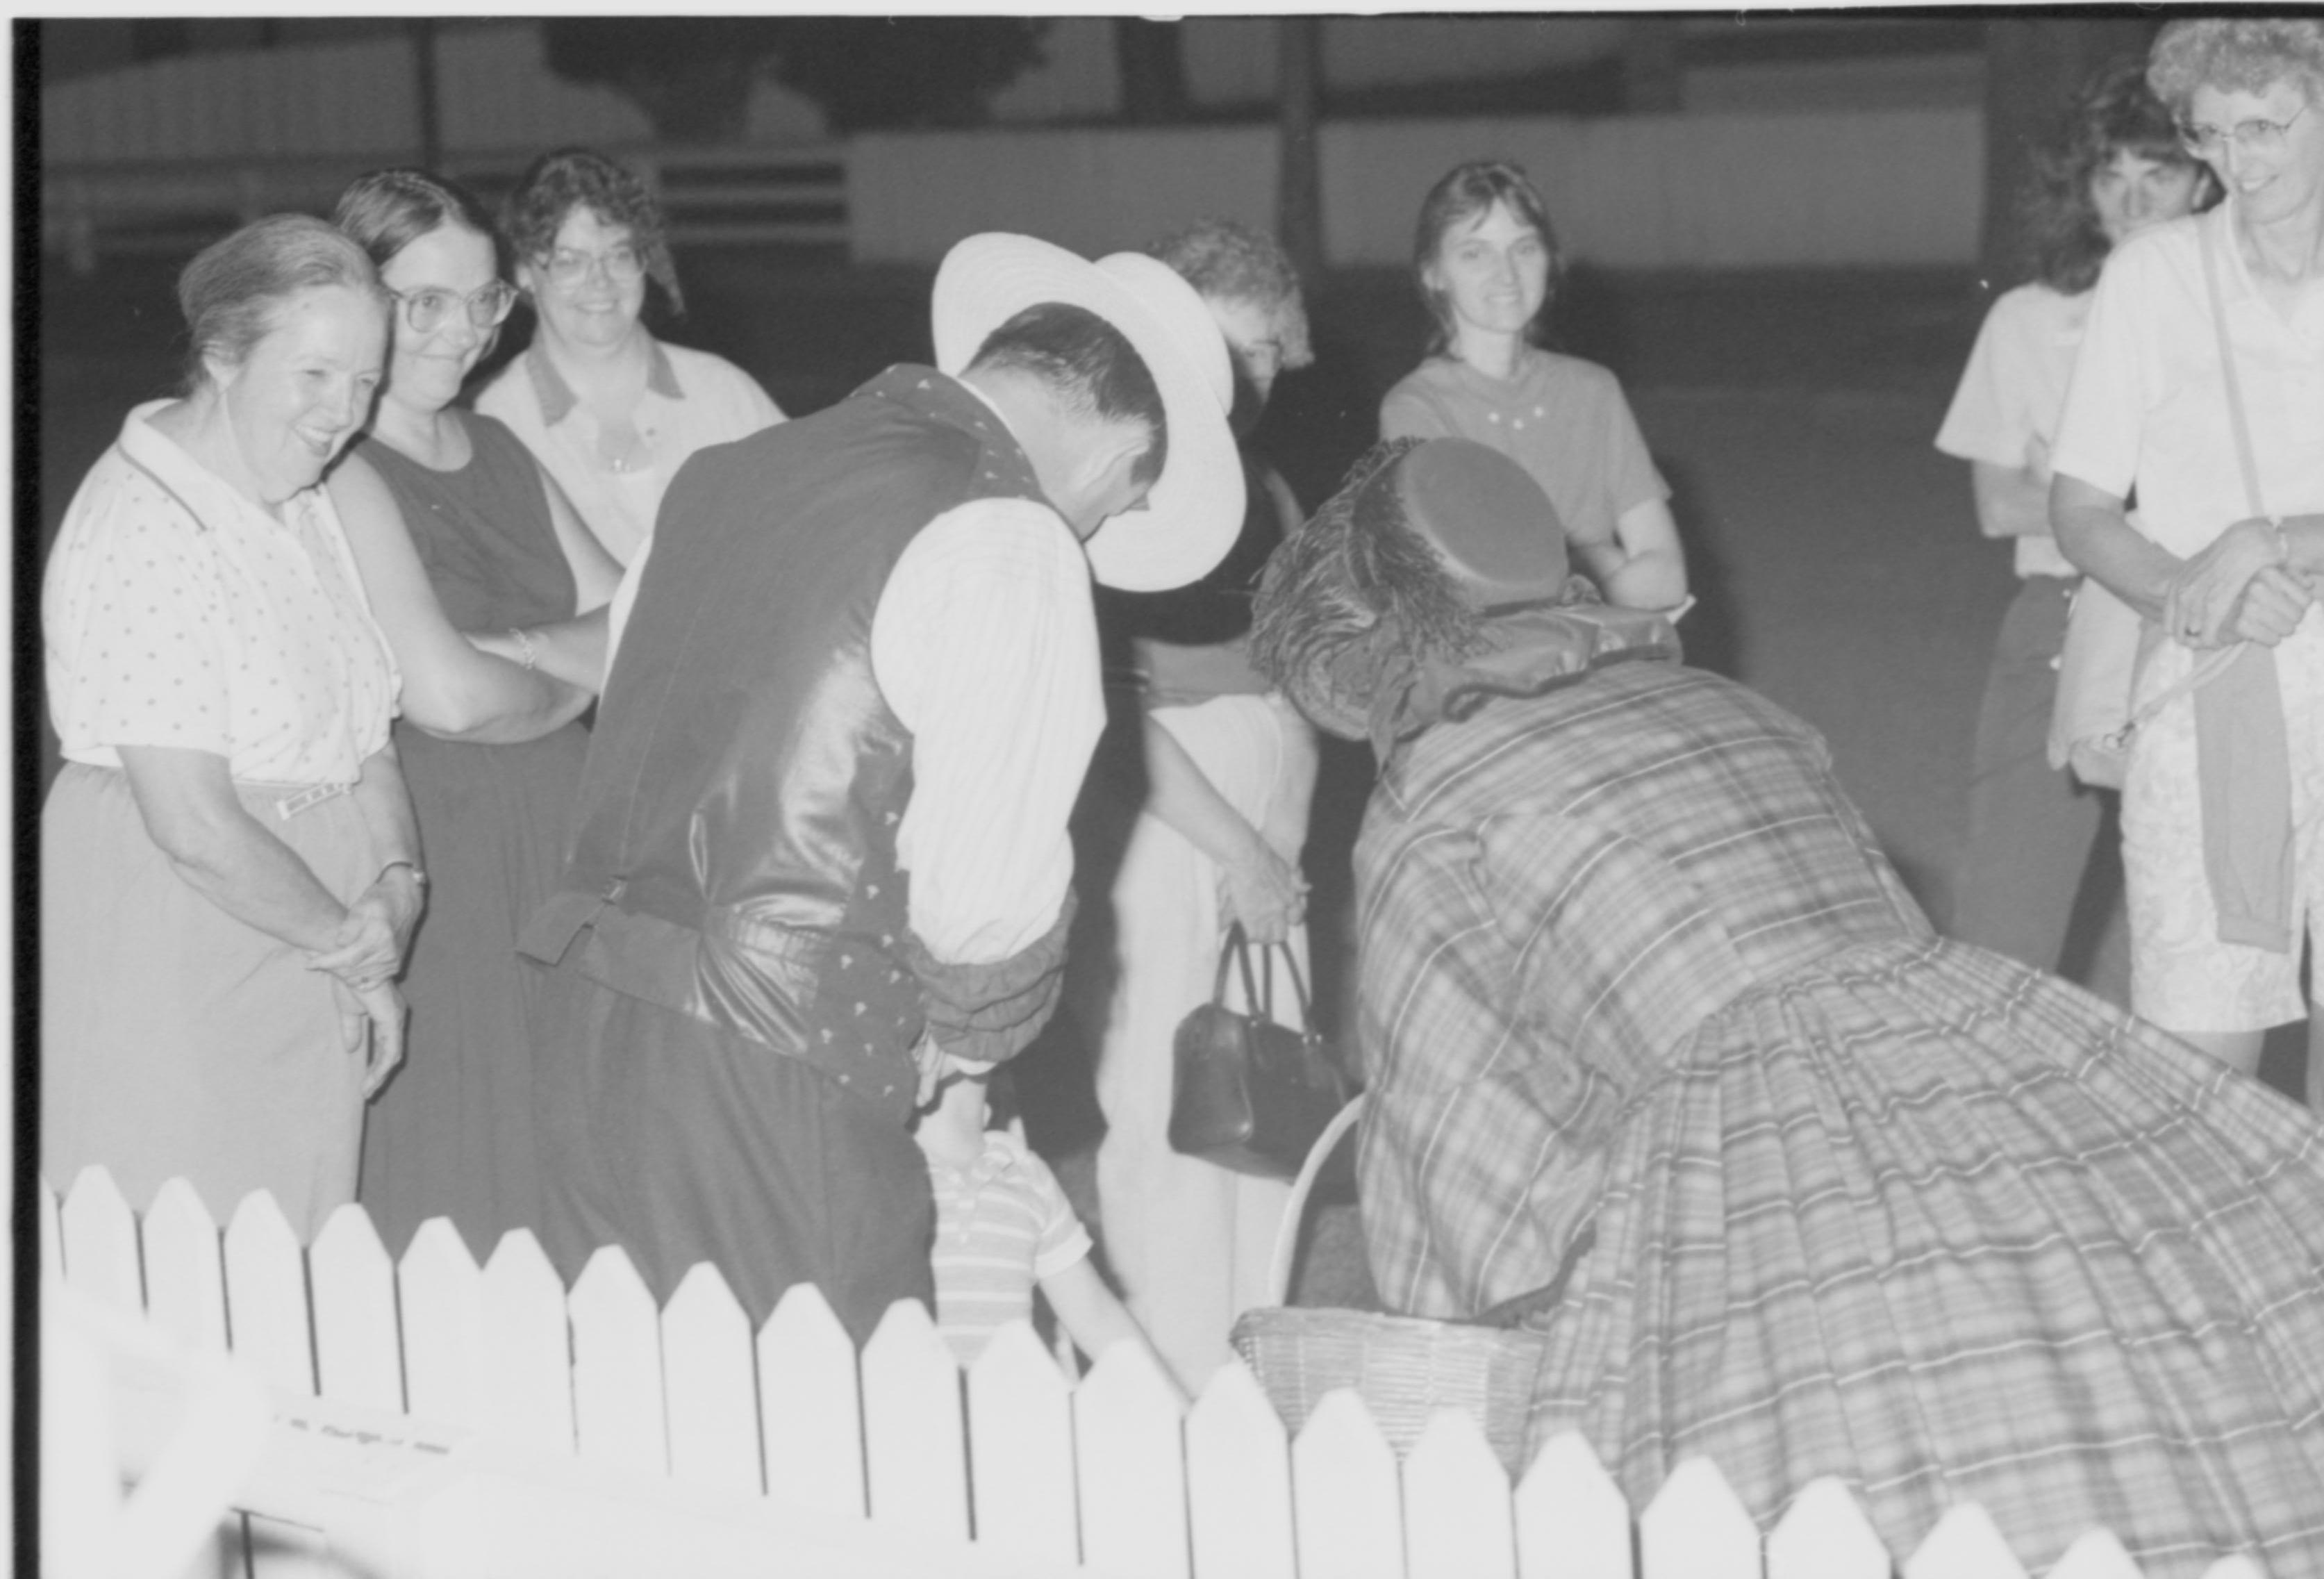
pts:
[990, 1011]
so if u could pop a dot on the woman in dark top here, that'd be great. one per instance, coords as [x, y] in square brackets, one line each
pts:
[490, 592]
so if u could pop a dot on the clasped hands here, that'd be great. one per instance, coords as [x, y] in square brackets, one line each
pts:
[363, 960]
[1265, 890]
[2239, 588]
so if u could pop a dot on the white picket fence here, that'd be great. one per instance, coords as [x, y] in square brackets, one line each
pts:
[433, 1417]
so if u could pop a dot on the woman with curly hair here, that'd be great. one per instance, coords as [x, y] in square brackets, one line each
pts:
[611, 410]
[1487, 265]
[2201, 385]
[1654, 1034]
[2113, 167]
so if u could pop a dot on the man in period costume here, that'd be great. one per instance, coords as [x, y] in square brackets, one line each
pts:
[820, 854]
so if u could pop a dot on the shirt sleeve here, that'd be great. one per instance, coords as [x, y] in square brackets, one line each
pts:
[2098, 430]
[140, 639]
[1063, 1238]
[1410, 412]
[1631, 479]
[985, 645]
[1990, 418]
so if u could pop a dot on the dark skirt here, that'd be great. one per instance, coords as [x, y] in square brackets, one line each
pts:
[453, 1134]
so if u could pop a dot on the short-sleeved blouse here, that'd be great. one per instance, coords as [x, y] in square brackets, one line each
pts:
[1562, 418]
[178, 613]
[2011, 391]
[692, 399]
[2148, 403]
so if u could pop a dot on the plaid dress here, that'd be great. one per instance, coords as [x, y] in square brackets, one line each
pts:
[1865, 1203]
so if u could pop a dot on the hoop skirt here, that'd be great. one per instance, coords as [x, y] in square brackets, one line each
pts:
[1865, 1203]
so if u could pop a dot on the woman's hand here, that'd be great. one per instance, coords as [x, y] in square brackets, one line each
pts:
[373, 1014]
[1264, 892]
[372, 941]
[2270, 607]
[2205, 604]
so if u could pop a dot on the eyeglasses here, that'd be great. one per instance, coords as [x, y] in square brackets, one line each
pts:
[2254, 136]
[569, 266]
[426, 310]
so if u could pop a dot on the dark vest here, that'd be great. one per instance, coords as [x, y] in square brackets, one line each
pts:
[734, 856]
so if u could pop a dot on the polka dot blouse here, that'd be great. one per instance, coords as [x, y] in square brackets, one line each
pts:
[178, 613]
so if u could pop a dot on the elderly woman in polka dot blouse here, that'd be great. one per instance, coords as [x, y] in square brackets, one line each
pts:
[229, 867]
[1487, 265]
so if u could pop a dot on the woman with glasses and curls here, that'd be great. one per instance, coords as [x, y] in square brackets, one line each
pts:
[2223, 796]
[492, 593]
[2113, 168]
[612, 411]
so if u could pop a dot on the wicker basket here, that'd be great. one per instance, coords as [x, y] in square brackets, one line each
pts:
[1404, 1368]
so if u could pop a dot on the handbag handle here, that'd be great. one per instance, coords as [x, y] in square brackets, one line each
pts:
[1236, 947]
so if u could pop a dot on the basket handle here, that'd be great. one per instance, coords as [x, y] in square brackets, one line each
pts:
[1295, 1210]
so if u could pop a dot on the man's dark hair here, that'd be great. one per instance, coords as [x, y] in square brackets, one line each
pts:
[1091, 366]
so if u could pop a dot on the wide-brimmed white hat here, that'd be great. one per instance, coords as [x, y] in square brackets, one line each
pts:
[1193, 513]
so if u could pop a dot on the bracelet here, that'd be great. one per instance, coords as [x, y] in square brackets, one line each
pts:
[419, 877]
[528, 654]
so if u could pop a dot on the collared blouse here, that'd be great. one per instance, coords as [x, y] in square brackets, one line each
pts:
[176, 611]
[2148, 403]
[692, 399]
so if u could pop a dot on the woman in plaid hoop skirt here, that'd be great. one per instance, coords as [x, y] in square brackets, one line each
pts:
[1843, 1198]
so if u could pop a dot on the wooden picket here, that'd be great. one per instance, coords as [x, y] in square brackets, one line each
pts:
[1456, 1504]
[441, 1298]
[266, 1295]
[358, 1352]
[1963, 1546]
[915, 1447]
[1344, 1493]
[712, 1395]
[1824, 1535]
[1044, 1474]
[1021, 1438]
[1694, 1525]
[2096, 1555]
[1130, 1458]
[809, 1408]
[102, 1234]
[185, 1280]
[1238, 1483]
[618, 1417]
[527, 1346]
[1570, 1515]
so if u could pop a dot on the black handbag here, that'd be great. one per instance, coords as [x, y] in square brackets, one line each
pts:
[1248, 1093]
